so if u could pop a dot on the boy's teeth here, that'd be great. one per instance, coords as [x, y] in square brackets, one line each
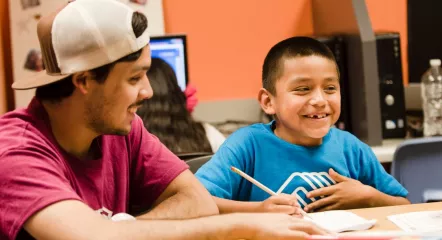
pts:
[317, 116]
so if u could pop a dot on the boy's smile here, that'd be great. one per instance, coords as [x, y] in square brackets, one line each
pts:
[307, 100]
[318, 119]
[317, 116]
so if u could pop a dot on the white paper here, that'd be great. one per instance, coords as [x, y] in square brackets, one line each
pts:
[425, 221]
[341, 221]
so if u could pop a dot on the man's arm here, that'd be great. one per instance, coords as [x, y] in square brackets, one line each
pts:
[185, 197]
[71, 220]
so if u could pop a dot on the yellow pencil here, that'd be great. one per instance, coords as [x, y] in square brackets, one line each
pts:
[260, 185]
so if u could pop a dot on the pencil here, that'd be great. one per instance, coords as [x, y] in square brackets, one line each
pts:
[260, 185]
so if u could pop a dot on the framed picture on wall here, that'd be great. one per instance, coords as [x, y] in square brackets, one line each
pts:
[34, 62]
[25, 4]
[141, 2]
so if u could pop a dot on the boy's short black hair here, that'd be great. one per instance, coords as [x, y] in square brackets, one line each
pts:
[273, 67]
[56, 91]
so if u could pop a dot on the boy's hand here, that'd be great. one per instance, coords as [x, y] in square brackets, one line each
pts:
[347, 193]
[282, 203]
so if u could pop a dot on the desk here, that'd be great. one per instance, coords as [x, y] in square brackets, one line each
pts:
[381, 214]
[385, 152]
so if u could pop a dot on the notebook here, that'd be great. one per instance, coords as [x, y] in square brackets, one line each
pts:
[341, 221]
[378, 235]
[424, 221]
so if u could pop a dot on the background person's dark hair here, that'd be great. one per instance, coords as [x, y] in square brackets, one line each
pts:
[165, 114]
[273, 66]
[56, 91]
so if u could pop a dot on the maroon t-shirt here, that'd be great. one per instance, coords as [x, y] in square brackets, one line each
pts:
[35, 172]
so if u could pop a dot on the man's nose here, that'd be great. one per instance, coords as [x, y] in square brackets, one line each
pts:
[146, 92]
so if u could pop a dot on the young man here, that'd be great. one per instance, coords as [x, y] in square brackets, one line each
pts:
[79, 151]
[299, 154]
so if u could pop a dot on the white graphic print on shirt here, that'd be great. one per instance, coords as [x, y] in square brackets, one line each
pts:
[299, 184]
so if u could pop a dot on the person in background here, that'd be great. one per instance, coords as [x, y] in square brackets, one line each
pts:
[166, 115]
[299, 153]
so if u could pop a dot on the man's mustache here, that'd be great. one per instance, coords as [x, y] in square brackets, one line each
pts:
[138, 104]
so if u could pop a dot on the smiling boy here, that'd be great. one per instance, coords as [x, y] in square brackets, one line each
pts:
[299, 155]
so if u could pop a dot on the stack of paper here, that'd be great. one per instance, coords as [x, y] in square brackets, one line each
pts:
[425, 221]
[341, 221]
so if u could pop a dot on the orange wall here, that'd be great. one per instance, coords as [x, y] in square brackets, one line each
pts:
[228, 39]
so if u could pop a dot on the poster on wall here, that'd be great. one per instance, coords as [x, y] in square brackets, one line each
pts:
[141, 2]
[26, 55]
[29, 3]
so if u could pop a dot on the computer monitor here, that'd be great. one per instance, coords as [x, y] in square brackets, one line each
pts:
[173, 50]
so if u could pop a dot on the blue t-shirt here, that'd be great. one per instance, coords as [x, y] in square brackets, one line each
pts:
[288, 168]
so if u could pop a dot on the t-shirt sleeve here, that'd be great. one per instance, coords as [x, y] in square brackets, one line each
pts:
[29, 182]
[216, 175]
[154, 166]
[373, 173]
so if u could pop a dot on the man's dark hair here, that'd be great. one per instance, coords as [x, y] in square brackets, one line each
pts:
[56, 91]
[273, 66]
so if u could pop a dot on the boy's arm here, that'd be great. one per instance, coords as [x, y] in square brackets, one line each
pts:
[231, 191]
[74, 220]
[283, 203]
[373, 187]
[216, 175]
[349, 193]
[378, 199]
[231, 206]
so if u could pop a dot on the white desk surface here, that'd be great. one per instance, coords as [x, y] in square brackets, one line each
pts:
[385, 152]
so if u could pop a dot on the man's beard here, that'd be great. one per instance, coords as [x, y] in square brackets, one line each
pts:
[98, 120]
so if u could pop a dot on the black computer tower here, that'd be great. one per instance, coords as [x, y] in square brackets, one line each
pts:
[391, 87]
[338, 47]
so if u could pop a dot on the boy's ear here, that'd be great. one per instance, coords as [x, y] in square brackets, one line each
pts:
[82, 81]
[266, 101]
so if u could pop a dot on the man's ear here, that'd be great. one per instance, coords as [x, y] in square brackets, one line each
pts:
[82, 81]
[266, 100]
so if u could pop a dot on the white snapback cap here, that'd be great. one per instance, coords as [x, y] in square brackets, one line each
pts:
[83, 35]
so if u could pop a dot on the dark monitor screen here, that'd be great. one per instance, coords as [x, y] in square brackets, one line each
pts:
[173, 50]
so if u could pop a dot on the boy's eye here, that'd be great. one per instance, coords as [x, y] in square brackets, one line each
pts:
[302, 89]
[331, 88]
